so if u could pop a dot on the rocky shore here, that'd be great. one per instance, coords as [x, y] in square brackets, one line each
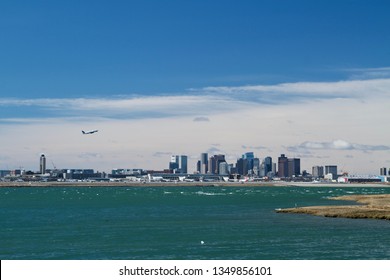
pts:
[369, 207]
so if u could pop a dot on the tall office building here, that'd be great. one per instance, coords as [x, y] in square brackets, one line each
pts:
[256, 166]
[42, 164]
[214, 162]
[282, 166]
[212, 166]
[242, 166]
[249, 156]
[294, 167]
[198, 166]
[267, 165]
[178, 164]
[174, 164]
[183, 164]
[317, 171]
[331, 169]
[223, 168]
[204, 163]
[262, 169]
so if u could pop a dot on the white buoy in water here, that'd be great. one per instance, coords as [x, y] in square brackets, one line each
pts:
[202, 242]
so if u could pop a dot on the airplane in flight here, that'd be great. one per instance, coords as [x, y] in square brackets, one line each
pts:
[89, 131]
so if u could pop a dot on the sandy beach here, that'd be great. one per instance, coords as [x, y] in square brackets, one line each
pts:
[370, 207]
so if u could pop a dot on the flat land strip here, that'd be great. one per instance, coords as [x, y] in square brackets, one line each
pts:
[369, 207]
[186, 184]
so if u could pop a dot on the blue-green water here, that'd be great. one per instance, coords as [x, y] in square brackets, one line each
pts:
[172, 222]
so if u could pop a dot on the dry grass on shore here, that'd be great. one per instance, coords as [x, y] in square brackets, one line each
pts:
[370, 207]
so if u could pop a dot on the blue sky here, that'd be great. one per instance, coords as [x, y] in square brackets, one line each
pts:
[239, 71]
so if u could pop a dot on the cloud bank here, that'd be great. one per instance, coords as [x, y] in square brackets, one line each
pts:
[337, 145]
[369, 73]
[195, 102]
[201, 119]
[266, 119]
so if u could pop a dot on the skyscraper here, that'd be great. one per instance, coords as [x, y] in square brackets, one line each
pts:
[294, 167]
[183, 164]
[204, 163]
[318, 171]
[198, 169]
[223, 168]
[262, 169]
[331, 169]
[42, 164]
[174, 163]
[178, 164]
[267, 165]
[282, 166]
[242, 166]
[249, 156]
[256, 166]
[214, 162]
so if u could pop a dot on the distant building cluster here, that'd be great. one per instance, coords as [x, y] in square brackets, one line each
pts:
[329, 172]
[178, 164]
[44, 174]
[208, 168]
[247, 165]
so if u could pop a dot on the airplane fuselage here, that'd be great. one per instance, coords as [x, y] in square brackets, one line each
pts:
[89, 131]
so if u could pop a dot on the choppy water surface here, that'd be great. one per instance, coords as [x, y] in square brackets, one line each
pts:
[183, 223]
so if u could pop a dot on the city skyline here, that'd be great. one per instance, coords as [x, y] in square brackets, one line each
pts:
[246, 165]
[309, 80]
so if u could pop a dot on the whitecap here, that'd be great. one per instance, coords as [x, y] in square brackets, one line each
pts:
[208, 193]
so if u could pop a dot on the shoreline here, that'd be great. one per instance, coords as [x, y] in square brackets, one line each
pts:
[369, 207]
[188, 184]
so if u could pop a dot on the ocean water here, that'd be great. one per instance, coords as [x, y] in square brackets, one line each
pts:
[187, 223]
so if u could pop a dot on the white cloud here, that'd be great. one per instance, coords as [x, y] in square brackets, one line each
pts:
[90, 156]
[123, 108]
[253, 147]
[201, 119]
[337, 145]
[163, 154]
[369, 73]
[213, 150]
[205, 101]
[346, 89]
[248, 117]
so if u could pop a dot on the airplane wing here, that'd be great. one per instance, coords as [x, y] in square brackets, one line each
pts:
[89, 132]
